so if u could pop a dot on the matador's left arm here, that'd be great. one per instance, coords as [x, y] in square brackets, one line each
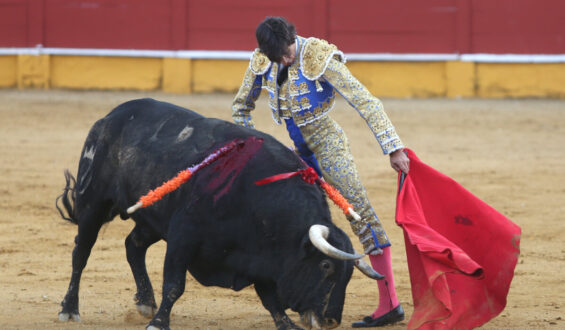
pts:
[367, 105]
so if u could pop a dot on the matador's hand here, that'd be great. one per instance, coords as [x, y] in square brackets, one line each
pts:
[399, 161]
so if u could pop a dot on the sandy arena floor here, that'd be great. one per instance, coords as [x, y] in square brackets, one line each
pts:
[510, 153]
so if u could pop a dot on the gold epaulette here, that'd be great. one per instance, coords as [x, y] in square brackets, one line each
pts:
[315, 57]
[260, 63]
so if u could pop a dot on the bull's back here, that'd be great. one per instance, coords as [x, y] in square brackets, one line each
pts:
[146, 131]
[142, 143]
[147, 118]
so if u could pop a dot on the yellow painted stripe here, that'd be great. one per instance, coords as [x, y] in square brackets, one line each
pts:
[501, 80]
[399, 79]
[8, 71]
[97, 72]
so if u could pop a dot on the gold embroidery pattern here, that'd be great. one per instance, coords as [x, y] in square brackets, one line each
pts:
[389, 140]
[293, 72]
[298, 89]
[285, 113]
[284, 108]
[330, 145]
[368, 106]
[299, 105]
[270, 84]
[304, 117]
[244, 101]
[315, 56]
[260, 63]
[273, 76]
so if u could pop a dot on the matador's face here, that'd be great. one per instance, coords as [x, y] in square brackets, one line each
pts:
[291, 55]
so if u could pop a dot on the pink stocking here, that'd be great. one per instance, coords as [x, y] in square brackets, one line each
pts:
[387, 293]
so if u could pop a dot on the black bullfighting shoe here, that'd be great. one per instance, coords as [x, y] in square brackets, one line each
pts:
[395, 315]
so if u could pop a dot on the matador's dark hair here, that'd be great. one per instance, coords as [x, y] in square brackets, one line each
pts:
[274, 36]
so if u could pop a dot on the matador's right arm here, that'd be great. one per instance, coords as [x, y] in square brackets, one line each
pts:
[250, 90]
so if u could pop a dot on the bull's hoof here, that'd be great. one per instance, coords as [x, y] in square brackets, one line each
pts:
[152, 327]
[147, 311]
[285, 323]
[158, 324]
[64, 317]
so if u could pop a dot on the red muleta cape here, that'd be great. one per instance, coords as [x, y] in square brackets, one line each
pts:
[461, 252]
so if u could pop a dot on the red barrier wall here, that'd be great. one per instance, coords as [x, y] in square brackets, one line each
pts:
[14, 23]
[518, 26]
[360, 26]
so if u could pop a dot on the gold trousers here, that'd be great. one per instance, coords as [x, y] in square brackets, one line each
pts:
[326, 139]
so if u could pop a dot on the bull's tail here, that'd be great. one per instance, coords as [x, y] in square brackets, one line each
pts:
[67, 199]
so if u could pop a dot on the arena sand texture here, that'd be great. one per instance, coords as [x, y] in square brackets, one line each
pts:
[510, 153]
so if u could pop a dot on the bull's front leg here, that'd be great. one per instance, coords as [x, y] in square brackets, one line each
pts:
[177, 259]
[174, 279]
[267, 292]
[137, 243]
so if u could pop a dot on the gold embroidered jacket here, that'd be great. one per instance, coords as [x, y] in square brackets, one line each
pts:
[309, 92]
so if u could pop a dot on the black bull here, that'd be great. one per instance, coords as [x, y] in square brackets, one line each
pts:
[220, 226]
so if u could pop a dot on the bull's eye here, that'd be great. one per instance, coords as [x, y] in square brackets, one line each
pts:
[327, 267]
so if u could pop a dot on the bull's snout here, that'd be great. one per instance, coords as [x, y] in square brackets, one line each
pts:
[310, 320]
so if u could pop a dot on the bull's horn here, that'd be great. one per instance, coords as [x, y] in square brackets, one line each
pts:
[318, 235]
[368, 270]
